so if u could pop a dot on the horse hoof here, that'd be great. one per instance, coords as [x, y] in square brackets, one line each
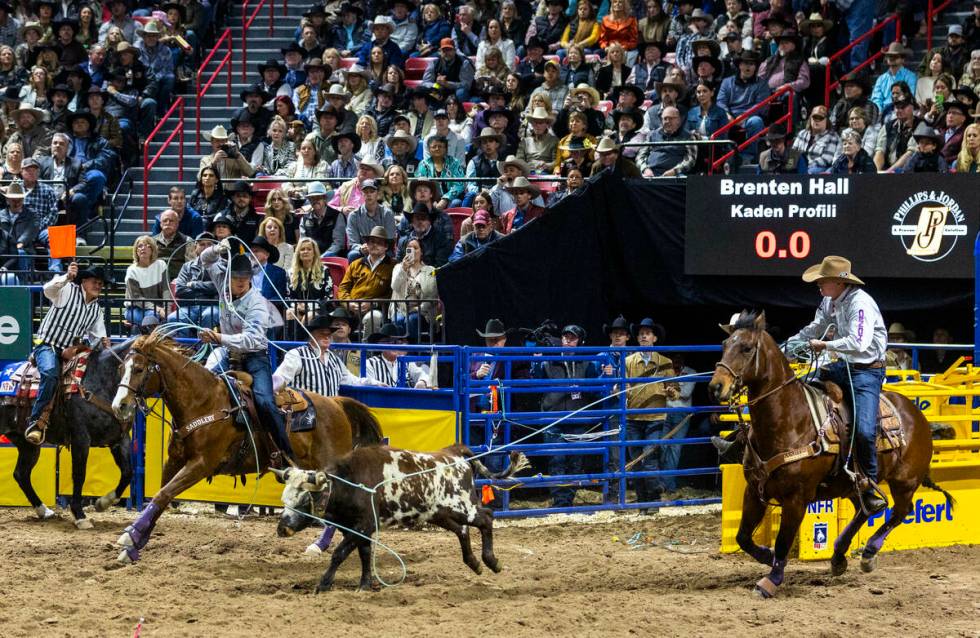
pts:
[105, 502]
[44, 513]
[868, 564]
[128, 556]
[837, 568]
[83, 523]
[312, 551]
[761, 593]
[125, 540]
[765, 588]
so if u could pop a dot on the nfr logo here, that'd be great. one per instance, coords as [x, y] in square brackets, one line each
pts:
[9, 330]
[922, 513]
[819, 536]
[820, 507]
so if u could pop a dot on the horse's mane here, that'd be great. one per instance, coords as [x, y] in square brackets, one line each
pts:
[160, 340]
[746, 320]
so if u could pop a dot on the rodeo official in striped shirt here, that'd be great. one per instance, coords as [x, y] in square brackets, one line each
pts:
[314, 367]
[75, 313]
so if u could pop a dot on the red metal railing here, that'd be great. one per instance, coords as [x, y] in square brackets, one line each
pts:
[148, 163]
[830, 86]
[932, 12]
[787, 118]
[225, 63]
[247, 24]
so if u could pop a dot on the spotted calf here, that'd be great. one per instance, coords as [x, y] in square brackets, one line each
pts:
[416, 488]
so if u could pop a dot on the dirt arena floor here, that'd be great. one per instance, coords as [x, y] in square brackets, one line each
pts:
[205, 575]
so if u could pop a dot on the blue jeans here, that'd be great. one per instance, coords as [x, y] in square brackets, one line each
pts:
[204, 316]
[670, 455]
[414, 323]
[53, 264]
[81, 206]
[257, 364]
[860, 17]
[867, 389]
[135, 314]
[647, 489]
[563, 496]
[48, 365]
[148, 116]
[752, 126]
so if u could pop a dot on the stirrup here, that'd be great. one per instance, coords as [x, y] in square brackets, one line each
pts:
[35, 435]
[721, 445]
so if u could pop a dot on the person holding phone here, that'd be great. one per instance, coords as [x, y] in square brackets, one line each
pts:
[413, 281]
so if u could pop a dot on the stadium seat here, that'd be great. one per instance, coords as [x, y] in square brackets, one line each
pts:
[411, 84]
[592, 58]
[346, 63]
[606, 107]
[337, 267]
[260, 190]
[547, 57]
[415, 67]
[458, 216]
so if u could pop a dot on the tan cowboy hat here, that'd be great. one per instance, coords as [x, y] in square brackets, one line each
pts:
[898, 329]
[26, 107]
[379, 170]
[729, 327]
[541, 114]
[513, 160]
[585, 88]
[522, 184]
[15, 191]
[126, 46]
[606, 145]
[380, 233]
[832, 267]
[896, 49]
[217, 133]
[489, 134]
[402, 135]
[338, 90]
[357, 69]
[151, 28]
[384, 21]
[815, 19]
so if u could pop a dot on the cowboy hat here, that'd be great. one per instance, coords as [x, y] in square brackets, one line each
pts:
[711, 43]
[433, 186]
[489, 134]
[588, 90]
[341, 313]
[632, 114]
[293, 47]
[64, 22]
[26, 107]
[241, 266]
[151, 28]
[239, 186]
[338, 90]
[575, 144]
[896, 49]
[315, 10]
[956, 105]
[83, 115]
[316, 63]
[713, 61]
[776, 132]
[513, 160]
[900, 330]
[777, 18]
[357, 69]
[389, 333]
[15, 191]
[729, 327]
[647, 322]
[619, 323]
[627, 88]
[320, 322]
[387, 87]
[221, 218]
[272, 63]
[522, 184]
[606, 145]
[832, 267]
[355, 140]
[217, 133]
[495, 328]
[750, 56]
[31, 26]
[699, 14]
[379, 232]
[422, 209]
[255, 89]
[965, 91]
[89, 273]
[126, 47]
[264, 244]
[541, 114]
[379, 170]
[660, 46]
[351, 7]
[316, 189]
[677, 86]
[384, 21]
[63, 88]
[789, 35]
[924, 131]
[401, 135]
[815, 19]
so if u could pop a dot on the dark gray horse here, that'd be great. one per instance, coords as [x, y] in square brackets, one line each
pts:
[79, 423]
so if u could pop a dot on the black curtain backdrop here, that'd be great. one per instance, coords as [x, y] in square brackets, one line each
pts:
[618, 248]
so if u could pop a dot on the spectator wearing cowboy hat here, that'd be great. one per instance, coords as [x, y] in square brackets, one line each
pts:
[250, 146]
[742, 92]
[272, 76]
[895, 56]
[322, 223]
[159, 62]
[707, 70]
[293, 58]
[780, 157]
[956, 117]
[927, 159]
[531, 67]
[99, 162]
[419, 116]
[485, 163]
[510, 169]
[31, 133]
[649, 67]
[578, 138]
[584, 99]
[382, 29]
[106, 124]
[254, 97]
[351, 32]
[19, 228]
[345, 145]
[436, 246]
[382, 368]
[671, 92]
[539, 146]
[349, 196]
[242, 212]
[308, 97]
[524, 209]
[626, 127]
[369, 278]
[699, 30]
[364, 219]
[440, 164]
[343, 324]
[72, 52]
[898, 357]
[403, 146]
[787, 67]
[225, 157]
[58, 98]
[450, 72]
[338, 97]
[483, 234]
[627, 98]
[609, 157]
[856, 89]
[271, 280]
[383, 110]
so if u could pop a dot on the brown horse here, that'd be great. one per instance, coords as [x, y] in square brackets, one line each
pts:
[782, 425]
[206, 440]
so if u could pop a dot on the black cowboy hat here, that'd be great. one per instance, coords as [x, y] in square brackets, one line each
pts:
[388, 333]
[329, 109]
[387, 87]
[340, 312]
[264, 244]
[91, 273]
[320, 322]
[64, 74]
[778, 18]
[85, 115]
[776, 132]
[221, 218]
[792, 36]
[508, 113]
[536, 42]
[860, 79]
[619, 323]
[255, 89]
[12, 93]
[60, 88]
[239, 186]
[293, 47]
[495, 88]
[64, 22]
[272, 63]
[750, 56]
[241, 266]
[181, 9]
[627, 88]
[495, 328]
[642, 48]
[924, 131]
[647, 322]
[94, 90]
[318, 63]
[244, 117]
[315, 10]
[956, 105]
[713, 61]
[351, 7]
[355, 140]
[636, 115]
[967, 92]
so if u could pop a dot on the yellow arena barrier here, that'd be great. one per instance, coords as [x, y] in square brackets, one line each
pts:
[43, 477]
[101, 473]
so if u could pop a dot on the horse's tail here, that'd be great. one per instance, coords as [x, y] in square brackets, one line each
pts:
[364, 426]
[928, 482]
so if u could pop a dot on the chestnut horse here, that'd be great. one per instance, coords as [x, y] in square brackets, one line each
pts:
[781, 423]
[206, 440]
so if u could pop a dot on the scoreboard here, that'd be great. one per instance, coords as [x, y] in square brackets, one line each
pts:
[910, 225]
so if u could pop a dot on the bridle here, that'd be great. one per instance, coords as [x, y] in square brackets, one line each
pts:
[139, 394]
[738, 385]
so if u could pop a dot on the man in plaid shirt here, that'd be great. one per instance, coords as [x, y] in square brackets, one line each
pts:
[42, 202]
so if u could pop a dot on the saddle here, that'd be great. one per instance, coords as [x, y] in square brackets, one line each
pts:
[19, 382]
[833, 418]
[300, 414]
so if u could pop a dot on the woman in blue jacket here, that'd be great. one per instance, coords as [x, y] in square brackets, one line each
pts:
[705, 117]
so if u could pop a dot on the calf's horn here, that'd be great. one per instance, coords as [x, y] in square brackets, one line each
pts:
[281, 475]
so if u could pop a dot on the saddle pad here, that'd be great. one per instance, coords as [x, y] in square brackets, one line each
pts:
[15, 375]
[291, 400]
[301, 421]
[837, 427]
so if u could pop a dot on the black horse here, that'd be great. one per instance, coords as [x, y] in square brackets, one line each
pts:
[79, 422]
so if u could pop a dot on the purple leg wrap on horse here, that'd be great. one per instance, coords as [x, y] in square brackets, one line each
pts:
[844, 540]
[874, 544]
[133, 553]
[776, 575]
[140, 530]
[326, 537]
[762, 554]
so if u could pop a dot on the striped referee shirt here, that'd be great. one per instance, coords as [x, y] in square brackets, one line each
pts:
[385, 372]
[70, 316]
[304, 369]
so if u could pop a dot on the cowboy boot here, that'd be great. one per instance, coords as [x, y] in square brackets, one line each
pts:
[36, 431]
[873, 501]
